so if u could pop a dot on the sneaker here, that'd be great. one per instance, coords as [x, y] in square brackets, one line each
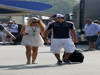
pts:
[33, 62]
[67, 61]
[59, 62]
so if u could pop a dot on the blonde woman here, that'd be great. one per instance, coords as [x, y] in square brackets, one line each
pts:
[32, 38]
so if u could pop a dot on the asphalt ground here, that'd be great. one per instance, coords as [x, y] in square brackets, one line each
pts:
[13, 62]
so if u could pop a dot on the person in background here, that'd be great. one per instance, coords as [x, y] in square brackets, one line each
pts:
[32, 39]
[2, 35]
[90, 30]
[7, 32]
[13, 28]
[98, 32]
[61, 31]
[19, 37]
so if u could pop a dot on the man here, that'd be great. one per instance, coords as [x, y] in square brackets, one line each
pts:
[98, 33]
[61, 31]
[6, 31]
[91, 30]
[13, 28]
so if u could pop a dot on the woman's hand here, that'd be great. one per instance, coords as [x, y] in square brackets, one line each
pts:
[24, 33]
[75, 40]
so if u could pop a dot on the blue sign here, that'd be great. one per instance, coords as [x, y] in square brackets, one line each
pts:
[14, 6]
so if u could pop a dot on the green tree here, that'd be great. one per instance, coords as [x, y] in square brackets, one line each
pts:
[59, 6]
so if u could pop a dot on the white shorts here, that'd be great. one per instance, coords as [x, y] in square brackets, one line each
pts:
[67, 44]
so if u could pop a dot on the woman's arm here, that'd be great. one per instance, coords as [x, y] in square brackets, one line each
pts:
[42, 26]
[23, 32]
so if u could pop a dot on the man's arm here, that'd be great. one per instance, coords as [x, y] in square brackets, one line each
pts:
[73, 32]
[6, 31]
[47, 30]
[74, 36]
[98, 30]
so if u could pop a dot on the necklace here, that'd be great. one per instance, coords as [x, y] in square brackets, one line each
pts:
[33, 30]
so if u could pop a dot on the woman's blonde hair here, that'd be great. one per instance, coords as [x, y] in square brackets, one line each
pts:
[31, 20]
[38, 21]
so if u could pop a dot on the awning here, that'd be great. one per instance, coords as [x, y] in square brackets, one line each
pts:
[22, 7]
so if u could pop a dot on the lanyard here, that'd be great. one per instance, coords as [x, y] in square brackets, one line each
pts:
[33, 31]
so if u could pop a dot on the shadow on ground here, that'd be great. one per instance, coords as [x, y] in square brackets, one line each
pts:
[24, 66]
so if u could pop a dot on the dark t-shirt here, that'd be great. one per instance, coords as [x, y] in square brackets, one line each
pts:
[60, 30]
[1, 28]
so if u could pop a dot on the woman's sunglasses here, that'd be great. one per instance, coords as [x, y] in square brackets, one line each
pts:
[35, 22]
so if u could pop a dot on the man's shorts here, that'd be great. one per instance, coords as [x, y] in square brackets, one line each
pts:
[67, 44]
[92, 38]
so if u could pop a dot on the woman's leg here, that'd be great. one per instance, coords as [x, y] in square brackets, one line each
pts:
[34, 54]
[28, 54]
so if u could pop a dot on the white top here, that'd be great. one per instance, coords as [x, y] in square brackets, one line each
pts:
[33, 38]
[14, 28]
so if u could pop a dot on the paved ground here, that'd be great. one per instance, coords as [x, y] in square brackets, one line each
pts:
[12, 62]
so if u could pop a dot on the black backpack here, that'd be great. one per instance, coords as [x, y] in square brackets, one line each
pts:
[76, 56]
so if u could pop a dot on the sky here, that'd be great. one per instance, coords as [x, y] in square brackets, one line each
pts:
[77, 0]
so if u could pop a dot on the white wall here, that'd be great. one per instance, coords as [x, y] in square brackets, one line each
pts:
[18, 19]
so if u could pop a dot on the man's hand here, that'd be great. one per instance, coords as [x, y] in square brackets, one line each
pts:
[13, 37]
[46, 40]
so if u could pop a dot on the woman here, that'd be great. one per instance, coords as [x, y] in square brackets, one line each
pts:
[32, 38]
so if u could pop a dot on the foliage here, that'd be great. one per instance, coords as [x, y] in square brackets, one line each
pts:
[59, 6]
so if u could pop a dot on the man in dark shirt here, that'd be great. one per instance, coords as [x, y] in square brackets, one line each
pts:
[63, 33]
